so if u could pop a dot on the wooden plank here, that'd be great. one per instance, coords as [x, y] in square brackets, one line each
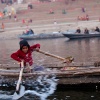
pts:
[58, 73]
[57, 65]
[65, 69]
[10, 71]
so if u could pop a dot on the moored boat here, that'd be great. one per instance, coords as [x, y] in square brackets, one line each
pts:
[41, 36]
[66, 74]
[73, 35]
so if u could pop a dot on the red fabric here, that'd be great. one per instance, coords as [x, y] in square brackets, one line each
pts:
[27, 57]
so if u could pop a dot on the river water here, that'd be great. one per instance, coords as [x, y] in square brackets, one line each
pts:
[83, 50]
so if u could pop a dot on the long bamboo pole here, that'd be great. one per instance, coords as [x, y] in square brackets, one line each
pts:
[68, 59]
[20, 77]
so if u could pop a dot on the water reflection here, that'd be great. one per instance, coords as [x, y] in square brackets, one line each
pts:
[83, 50]
[87, 49]
[75, 95]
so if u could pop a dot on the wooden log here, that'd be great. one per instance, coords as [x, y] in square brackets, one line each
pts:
[65, 77]
[57, 65]
[10, 71]
[9, 66]
[67, 73]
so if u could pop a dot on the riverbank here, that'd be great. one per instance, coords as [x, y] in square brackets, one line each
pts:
[13, 32]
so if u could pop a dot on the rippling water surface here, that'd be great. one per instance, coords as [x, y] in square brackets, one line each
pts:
[83, 50]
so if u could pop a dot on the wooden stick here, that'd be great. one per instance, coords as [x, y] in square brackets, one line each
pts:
[20, 77]
[52, 55]
[68, 59]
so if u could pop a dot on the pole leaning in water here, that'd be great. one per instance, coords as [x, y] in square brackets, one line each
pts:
[20, 77]
[68, 59]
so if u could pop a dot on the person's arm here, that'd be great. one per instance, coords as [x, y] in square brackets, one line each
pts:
[35, 47]
[15, 56]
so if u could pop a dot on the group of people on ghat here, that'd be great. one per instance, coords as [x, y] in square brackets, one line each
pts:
[86, 31]
[86, 17]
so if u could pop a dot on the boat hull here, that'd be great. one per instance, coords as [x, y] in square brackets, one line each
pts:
[41, 36]
[66, 75]
[80, 36]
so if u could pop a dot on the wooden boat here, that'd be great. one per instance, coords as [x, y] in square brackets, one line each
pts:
[73, 35]
[66, 74]
[41, 36]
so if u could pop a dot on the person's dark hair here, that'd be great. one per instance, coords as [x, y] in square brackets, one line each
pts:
[23, 43]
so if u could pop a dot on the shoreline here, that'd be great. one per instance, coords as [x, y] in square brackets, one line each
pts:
[12, 33]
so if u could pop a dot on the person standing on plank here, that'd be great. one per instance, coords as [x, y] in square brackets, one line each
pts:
[25, 54]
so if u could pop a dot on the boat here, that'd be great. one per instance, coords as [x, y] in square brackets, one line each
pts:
[73, 35]
[67, 75]
[41, 36]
